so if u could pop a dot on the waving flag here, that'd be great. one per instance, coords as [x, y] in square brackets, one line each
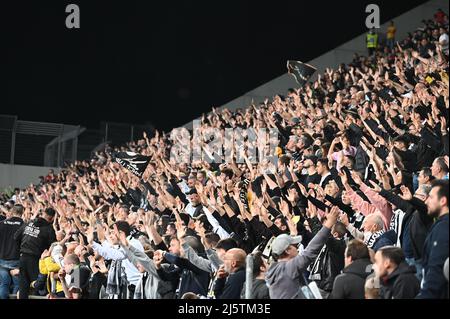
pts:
[300, 71]
[135, 163]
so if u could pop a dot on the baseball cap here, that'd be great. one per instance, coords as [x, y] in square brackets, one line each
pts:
[283, 241]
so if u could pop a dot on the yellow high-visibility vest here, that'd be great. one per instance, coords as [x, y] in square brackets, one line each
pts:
[372, 40]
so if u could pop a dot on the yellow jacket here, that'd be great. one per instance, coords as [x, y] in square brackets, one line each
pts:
[46, 267]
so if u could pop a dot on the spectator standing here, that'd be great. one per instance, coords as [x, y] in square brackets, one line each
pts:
[436, 244]
[390, 35]
[34, 237]
[397, 278]
[372, 42]
[9, 252]
[350, 284]
[285, 274]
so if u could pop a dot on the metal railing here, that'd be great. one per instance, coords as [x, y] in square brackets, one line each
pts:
[37, 143]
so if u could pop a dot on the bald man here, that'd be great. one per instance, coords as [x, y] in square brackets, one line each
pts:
[231, 275]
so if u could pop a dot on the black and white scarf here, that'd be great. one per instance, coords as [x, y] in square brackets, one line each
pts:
[116, 284]
[373, 238]
[243, 193]
[396, 224]
[316, 269]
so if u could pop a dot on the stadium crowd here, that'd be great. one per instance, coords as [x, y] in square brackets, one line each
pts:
[356, 205]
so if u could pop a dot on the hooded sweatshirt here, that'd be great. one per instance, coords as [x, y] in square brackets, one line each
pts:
[284, 277]
[35, 237]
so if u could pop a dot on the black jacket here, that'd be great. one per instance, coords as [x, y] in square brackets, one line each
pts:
[9, 248]
[328, 264]
[350, 284]
[425, 154]
[230, 287]
[416, 214]
[192, 278]
[35, 237]
[402, 283]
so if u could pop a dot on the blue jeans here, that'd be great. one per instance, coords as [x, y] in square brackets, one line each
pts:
[8, 284]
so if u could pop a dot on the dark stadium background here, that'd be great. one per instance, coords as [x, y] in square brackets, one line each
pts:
[161, 62]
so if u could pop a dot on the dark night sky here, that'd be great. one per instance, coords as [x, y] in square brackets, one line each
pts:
[162, 62]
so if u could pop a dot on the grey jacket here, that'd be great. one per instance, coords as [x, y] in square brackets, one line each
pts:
[284, 277]
[151, 285]
[209, 265]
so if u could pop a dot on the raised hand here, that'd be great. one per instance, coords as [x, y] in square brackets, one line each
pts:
[291, 195]
[303, 189]
[356, 178]
[263, 186]
[375, 187]
[312, 209]
[320, 191]
[284, 208]
[292, 227]
[181, 230]
[344, 178]
[332, 217]
[90, 234]
[406, 193]
[344, 219]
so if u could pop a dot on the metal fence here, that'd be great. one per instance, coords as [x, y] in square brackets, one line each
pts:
[53, 144]
[37, 143]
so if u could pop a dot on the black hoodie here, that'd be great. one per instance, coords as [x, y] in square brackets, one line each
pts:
[35, 237]
[350, 284]
[9, 249]
[402, 283]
